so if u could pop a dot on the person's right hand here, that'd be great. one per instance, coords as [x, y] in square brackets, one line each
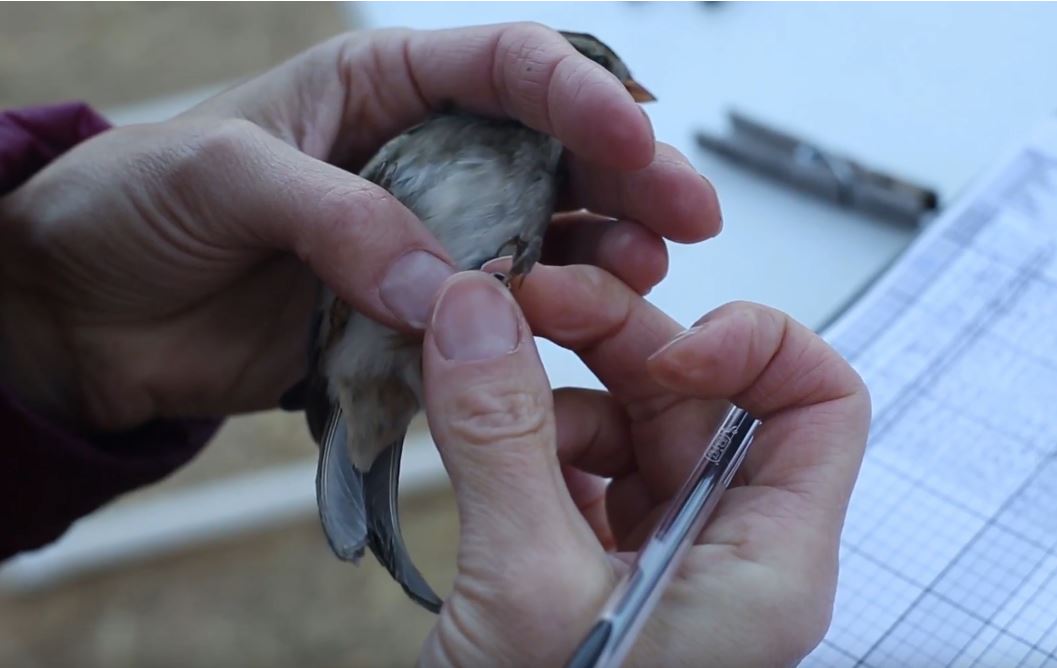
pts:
[168, 270]
[544, 538]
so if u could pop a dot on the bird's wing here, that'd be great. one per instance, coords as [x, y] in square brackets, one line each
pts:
[381, 172]
[381, 494]
[340, 492]
[296, 397]
[310, 393]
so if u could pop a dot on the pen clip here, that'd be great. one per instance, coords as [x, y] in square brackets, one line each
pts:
[736, 430]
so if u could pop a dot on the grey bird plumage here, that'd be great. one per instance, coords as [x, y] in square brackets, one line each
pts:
[483, 187]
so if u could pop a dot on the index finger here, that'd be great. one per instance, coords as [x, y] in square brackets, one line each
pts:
[613, 330]
[609, 326]
[815, 408]
[530, 72]
[342, 99]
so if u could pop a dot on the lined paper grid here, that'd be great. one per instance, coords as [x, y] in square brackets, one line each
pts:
[949, 555]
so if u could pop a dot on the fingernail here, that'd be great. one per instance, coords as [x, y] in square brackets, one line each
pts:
[499, 264]
[475, 320]
[624, 239]
[680, 337]
[411, 285]
[649, 122]
[715, 195]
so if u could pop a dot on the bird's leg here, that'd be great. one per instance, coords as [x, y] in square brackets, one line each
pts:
[526, 254]
[514, 242]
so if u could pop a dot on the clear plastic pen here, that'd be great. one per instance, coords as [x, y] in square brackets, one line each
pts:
[629, 606]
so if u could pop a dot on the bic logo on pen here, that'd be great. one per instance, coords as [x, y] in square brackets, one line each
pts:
[719, 446]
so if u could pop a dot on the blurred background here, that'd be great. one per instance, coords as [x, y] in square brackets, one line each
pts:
[224, 563]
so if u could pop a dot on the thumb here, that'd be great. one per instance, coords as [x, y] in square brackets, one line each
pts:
[490, 409]
[525, 550]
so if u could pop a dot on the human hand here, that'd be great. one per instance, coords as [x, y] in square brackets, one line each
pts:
[544, 539]
[167, 269]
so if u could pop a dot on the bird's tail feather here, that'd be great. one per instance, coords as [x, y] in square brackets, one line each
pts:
[360, 510]
[381, 493]
[339, 493]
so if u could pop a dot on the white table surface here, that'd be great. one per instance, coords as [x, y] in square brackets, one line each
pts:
[931, 91]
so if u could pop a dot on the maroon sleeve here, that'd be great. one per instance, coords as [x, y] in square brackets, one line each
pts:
[49, 477]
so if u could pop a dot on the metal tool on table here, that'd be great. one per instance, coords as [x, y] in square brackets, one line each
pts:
[816, 170]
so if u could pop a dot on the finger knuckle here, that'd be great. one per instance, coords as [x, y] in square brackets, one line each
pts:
[742, 308]
[497, 412]
[354, 200]
[595, 278]
[343, 44]
[527, 53]
[226, 141]
[529, 33]
[211, 153]
[350, 216]
[375, 70]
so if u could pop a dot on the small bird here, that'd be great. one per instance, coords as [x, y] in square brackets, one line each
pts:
[481, 186]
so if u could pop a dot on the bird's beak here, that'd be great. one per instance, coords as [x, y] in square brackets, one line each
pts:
[638, 93]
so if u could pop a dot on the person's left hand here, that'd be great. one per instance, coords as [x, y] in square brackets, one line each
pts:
[166, 270]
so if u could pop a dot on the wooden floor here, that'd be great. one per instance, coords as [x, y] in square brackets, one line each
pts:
[273, 599]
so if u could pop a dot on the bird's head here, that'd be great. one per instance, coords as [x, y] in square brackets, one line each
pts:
[596, 50]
